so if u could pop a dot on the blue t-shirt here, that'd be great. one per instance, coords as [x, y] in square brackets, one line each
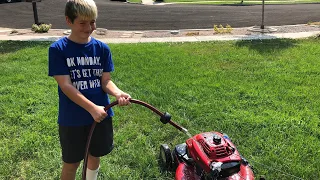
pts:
[84, 63]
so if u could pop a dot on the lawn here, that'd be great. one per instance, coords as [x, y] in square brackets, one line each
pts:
[263, 94]
[238, 2]
[234, 2]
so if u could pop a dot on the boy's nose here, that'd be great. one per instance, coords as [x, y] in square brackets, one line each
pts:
[90, 28]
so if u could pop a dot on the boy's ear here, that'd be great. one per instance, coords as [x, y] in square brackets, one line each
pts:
[68, 20]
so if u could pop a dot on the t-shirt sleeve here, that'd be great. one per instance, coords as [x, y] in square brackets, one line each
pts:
[57, 63]
[107, 59]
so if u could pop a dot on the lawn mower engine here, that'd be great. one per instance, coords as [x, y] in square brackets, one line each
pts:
[206, 156]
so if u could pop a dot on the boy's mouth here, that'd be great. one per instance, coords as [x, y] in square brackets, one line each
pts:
[87, 32]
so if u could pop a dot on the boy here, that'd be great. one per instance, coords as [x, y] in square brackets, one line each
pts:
[81, 65]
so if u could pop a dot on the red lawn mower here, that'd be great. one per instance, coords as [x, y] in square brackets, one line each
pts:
[205, 156]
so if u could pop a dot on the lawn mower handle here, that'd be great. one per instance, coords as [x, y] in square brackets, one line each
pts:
[164, 118]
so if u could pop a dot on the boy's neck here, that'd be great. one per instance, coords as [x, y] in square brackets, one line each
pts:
[79, 40]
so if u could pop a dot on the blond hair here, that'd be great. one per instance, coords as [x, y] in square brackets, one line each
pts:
[86, 9]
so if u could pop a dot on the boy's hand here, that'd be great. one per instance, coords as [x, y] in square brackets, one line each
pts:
[123, 99]
[98, 113]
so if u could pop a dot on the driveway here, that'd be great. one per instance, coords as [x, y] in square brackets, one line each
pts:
[125, 16]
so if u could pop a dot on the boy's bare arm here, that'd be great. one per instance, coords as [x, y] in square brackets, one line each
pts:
[110, 88]
[97, 112]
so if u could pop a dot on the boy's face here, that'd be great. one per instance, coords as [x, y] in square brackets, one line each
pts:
[81, 28]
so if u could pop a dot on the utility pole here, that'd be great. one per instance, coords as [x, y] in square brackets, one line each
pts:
[262, 24]
[35, 12]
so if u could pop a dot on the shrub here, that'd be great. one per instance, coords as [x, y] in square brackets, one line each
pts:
[228, 28]
[41, 28]
[216, 29]
[220, 29]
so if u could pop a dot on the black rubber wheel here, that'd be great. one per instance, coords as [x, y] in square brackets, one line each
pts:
[165, 157]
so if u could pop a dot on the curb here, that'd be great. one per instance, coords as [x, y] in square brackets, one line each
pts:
[300, 35]
[140, 39]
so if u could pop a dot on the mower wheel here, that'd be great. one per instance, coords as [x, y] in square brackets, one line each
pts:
[165, 157]
[175, 162]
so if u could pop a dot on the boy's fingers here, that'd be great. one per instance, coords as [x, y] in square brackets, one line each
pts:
[103, 116]
[125, 100]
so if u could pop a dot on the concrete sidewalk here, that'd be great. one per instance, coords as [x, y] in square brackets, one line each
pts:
[296, 35]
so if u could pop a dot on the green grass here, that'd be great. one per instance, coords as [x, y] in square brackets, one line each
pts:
[263, 94]
[245, 2]
[238, 3]
[235, 2]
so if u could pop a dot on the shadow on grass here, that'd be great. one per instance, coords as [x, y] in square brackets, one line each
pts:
[266, 46]
[14, 46]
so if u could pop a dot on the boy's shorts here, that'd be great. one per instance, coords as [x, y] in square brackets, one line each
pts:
[73, 140]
